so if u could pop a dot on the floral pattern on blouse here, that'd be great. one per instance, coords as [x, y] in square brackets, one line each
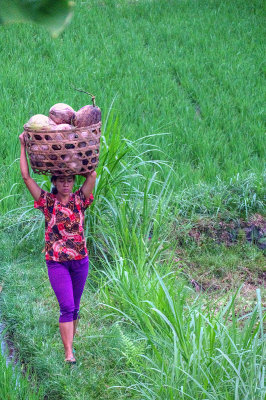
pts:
[64, 226]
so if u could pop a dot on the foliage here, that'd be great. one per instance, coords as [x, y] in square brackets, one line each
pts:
[52, 14]
[15, 385]
[181, 140]
[209, 102]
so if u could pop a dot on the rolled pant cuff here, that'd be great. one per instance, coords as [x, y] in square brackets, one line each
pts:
[76, 315]
[66, 317]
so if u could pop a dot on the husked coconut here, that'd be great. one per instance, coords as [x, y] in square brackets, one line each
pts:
[66, 157]
[74, 166]
[40, 157]
[77, 156]
[58, 137]
[71, 136]
[84, 134]
[40, 122]
[63, 127]
[61, 113]
[86, 116]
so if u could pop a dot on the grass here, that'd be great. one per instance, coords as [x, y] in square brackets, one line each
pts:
[181, 88]
[15, 385]
[144, 331]
[194, 71]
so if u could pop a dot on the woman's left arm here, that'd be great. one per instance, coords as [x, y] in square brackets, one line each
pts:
[89, 184]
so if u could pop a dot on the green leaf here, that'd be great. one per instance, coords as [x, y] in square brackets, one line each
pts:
[54, 15]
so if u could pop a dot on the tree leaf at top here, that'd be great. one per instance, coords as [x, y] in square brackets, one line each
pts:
[54, 15]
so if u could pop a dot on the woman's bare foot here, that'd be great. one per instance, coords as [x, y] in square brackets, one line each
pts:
[69, 357]
[70, 360]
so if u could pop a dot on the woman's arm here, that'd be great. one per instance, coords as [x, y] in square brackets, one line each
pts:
[89, 184]
[34, 189]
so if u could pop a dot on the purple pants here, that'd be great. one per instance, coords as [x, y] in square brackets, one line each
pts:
[68, 279]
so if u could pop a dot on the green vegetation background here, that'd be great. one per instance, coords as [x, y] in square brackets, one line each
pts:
[193, 70]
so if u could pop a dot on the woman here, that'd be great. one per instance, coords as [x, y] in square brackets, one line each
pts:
[65, 246]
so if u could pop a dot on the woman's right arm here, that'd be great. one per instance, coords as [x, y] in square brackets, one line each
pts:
[34, 189]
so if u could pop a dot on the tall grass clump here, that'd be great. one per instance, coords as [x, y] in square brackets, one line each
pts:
[14, 385]
[240, 196]
[173, 344]
[192, 353]
[176, 346]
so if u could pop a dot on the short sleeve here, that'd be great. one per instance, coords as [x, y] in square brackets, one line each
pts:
[85, 203]
[41, 204]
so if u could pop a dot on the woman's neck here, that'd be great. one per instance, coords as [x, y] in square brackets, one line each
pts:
[63, 198]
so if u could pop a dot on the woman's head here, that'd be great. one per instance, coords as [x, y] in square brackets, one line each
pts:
[62, 184]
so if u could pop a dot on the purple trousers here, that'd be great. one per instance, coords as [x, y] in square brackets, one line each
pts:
[68, 279]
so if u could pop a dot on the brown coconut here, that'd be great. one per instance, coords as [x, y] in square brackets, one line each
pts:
[63, 127]
[86, 116]
[61, 113]
[40, 122]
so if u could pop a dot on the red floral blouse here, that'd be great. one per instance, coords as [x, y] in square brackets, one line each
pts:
[64, 226]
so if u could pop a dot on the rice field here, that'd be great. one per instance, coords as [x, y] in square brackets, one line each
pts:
[191, 69]
[181, 88]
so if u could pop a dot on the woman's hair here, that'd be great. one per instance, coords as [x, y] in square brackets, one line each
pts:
[53, 179]
[53, 188]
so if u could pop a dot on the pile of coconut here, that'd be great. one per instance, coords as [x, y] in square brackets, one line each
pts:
[62, 118]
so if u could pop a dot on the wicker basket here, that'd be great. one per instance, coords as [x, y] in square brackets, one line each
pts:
[64, 152]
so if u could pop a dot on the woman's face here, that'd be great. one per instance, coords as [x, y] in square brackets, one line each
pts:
[64, 184]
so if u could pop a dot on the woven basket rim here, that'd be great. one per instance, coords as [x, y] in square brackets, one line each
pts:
[74, 128]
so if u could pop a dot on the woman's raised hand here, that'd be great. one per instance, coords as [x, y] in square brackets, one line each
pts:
[22, 138]
[89, 183]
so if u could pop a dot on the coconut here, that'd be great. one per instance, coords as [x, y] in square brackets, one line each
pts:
[71, 136]
[77, 156]
[58, 137]
[63, 127]
[40, 122]
[66, 157]
[61, 113]
[40, 157]
[86, 116]
[84, 134]
[75, 166]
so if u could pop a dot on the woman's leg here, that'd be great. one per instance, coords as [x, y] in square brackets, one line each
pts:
[61, 283]
[75, 326]
[66, 331]
[79, 272]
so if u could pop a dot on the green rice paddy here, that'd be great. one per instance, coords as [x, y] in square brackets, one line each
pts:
[181, 87]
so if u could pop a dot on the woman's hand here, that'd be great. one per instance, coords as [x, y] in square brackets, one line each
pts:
[89, 183]
[22, 139]
[91, 175]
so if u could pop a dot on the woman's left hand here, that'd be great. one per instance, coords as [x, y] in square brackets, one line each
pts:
[89, 183]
